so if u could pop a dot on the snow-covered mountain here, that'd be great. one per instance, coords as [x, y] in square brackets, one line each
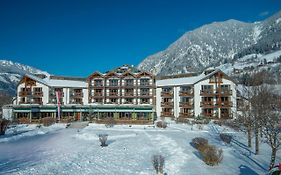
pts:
[216, 44]
[10, 74]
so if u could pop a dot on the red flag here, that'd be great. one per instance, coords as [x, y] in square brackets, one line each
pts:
[58, 103]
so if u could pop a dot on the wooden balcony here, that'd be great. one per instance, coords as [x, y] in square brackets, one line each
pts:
[225, 104]
[129, 94]
[186, 105]
[24, 93]
[167, 94]
[167, 114]
[146, 94]
[98, 95]
[38, 94]
[186, 93]
[96, 86]
[186, 115]
[207, 104]
[207, 93]
[167, 104]
[225, 92]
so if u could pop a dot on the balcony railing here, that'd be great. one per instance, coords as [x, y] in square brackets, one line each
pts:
[145, 84]
[205, 104]
[167, 114]
[113, 94]
[24, 93]
[145, 94]
[207, 93]
[167, 104]
[186, 115]
[129, 94]
[40, 94]
[98, 94]
[186, 93]
[224, 104]
[167, 94]
[226, 92]
[186, 104]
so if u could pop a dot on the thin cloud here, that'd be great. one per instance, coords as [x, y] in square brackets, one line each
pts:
[265, 13]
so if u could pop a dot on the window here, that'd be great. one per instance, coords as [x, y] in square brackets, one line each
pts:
[184, 99]
[98, 100]
[113, 82]
[167, 89]
[144, 91]
[128, 100]
[207, 87]
[98, 92]
[113, 100]
[129, 82]
[144, 82]
[113, 92]
[37, 89]
[144, 100]
[185, 88]
[98, 83]
[225, 87]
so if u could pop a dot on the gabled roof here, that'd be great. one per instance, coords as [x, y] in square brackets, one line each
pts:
[58, 82]
[35, 78]
[95, 74]
[144, 74]
[111, 74]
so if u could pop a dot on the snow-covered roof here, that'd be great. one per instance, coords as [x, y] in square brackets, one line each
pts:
[179, 81]
[67, 83]
[185, 80]
[53, 82]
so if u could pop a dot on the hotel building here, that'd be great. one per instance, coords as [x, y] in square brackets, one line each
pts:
[125, 94]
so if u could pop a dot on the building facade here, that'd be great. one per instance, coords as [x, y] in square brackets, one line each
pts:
[211, 94]
[125, 94]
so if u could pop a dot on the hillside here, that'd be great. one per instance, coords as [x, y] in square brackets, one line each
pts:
[216, 44]
[10, 74]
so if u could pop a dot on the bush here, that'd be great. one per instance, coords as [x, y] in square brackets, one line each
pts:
[158, 162]
[3, 126]
[48, 121]
[161, 124]
[199, 143]
[109, 122]
[103, 139]
[211, 155]
[226, 138]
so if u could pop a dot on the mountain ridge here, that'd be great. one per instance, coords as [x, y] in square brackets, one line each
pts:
[214, 44]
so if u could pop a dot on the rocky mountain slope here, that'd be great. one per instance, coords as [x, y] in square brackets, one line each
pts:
[217, 44]
[10, 74]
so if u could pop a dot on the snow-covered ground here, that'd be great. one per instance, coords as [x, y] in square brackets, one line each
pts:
[56, 150]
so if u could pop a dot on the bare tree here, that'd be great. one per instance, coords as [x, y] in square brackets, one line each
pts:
[270, 107]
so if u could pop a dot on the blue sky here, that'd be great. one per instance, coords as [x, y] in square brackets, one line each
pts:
[78, 37]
